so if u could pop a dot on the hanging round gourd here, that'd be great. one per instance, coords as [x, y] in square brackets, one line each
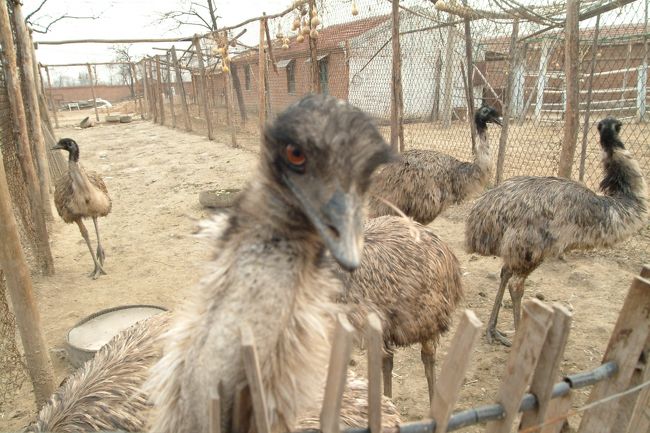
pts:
[355, 11]
[300, 39]
[313, 34]
[315, 21]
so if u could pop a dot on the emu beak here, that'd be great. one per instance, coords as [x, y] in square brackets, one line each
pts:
[339, 223]
[57, 147]
[498, 121]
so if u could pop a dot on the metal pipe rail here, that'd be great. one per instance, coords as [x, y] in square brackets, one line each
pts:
[495, 411]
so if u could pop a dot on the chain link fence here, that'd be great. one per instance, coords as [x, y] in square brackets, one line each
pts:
[351, 43]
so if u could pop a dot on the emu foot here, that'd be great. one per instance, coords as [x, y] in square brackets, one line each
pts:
[493, 334]
[97, 272]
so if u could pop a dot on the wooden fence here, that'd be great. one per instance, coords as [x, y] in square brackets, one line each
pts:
[619, 401]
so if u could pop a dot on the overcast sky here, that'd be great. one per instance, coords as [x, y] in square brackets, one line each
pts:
[126, 19]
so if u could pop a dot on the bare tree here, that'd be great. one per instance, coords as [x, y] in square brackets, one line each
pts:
[199, 13]
[122, 54]
[39, 26]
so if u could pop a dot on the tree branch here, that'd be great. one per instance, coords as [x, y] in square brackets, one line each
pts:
[35, 11]
[62, 17]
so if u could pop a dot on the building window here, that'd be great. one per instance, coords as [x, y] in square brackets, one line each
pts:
[291, 77]
[247, 77]
[323, 73]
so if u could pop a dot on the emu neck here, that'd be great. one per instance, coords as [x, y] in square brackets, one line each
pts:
[623, 177]
[80, 182]
[269, 274]
[483, 155]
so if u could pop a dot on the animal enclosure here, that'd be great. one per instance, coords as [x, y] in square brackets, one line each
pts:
[188, 89]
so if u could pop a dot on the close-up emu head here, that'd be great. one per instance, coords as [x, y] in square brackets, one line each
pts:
[320, 153]
[486, 114]
[609, 128]
[69, 145]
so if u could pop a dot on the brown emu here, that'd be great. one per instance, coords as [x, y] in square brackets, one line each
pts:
[412, 280]
[423, 183]
[82, 194]
[269, 272]
[527, 219]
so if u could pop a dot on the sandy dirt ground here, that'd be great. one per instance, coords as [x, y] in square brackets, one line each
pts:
[154, 175]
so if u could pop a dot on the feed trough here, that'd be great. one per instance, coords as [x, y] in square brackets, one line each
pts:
[91, 333]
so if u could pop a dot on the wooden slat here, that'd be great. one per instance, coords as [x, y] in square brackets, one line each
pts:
[254, 377]
[171, 92]
[214, 415]
[375, 340]
[453, 370]
[626, 343]
[159, 92]
[241, 408]
[548, 365]
[52, 102]
[524, 355]
[557, 412]
[635, 408]
[336, 376]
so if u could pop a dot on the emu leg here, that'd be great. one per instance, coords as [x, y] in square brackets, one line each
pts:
[492, 333]
[100, 251]
[516, 289]
[387, 368]
[84, 233]
[428, 354]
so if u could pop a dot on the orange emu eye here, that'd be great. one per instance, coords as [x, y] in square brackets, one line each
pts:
[295, 156]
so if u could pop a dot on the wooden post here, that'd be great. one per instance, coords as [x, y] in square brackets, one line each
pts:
[52, 102]
[435, 110]
[92, 89]
[145, 89]
[590, 86]
[153, 105]
[330, 415]
[396, 102]
[159, 91]
[548, 366]
[19, 284]
[313, 55]
[626, 343]
[541, 78]
[529, 340]
[261, 91]
[230, 120]
[470, 78]
[453, 370]
[181, 91]
[236, 83]
[170, 90]
[25, 47]
[134, 74]
[254, 378]
[203, 89]
[447, 99]
[572, 111]
[375, 340]
[25, 158]
[503, 138]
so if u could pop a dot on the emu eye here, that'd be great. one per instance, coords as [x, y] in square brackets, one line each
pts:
[295, 156]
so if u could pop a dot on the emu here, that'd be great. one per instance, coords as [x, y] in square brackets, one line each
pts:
[527, 219]
[269, 272]
[412, 280]
[425, 182]
[82, 194]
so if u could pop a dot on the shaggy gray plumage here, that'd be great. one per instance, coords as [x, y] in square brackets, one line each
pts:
[527, 219]
[269, 272]
[425, 182]
[412, 280]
